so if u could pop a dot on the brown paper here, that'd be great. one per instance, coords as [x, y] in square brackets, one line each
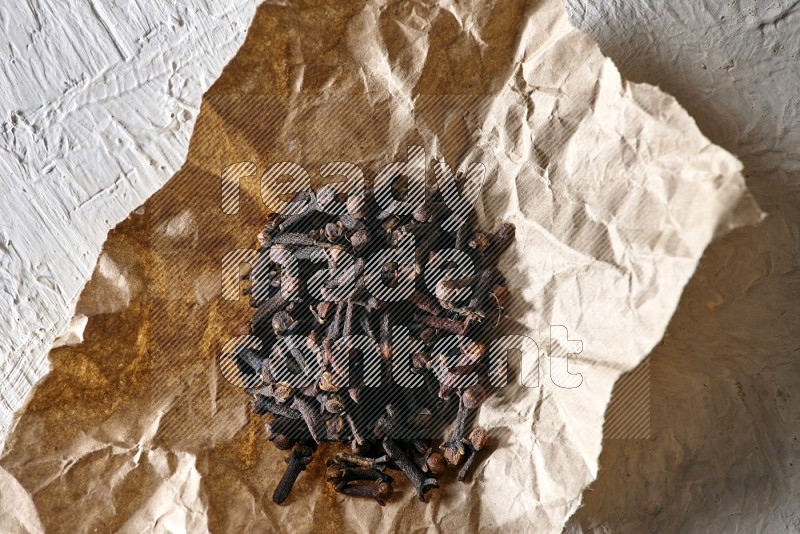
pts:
[614, 192]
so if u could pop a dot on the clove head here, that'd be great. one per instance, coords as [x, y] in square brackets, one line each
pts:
[436, 463]
[334, 405]
[477, 438]
[384, 490]
[473, 351]
[282, 391]
[282, 323]
[479, 241]
[335, 426]
[419, 361]
[333, 232]
[334, 472]
[453, 453]
[473, 396]
[328, 382]
[282, 442]
[360, 239]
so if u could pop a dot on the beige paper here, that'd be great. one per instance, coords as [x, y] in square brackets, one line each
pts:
[614, 192]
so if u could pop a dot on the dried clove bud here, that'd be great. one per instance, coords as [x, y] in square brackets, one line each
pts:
[355, 460]
[385, 337]
[328, 382]
[282, 442]
[340, 473]
[473, 396]
[412, 472]
[435, 463]
[310, 416]
[479, 241]
[283, 323]
[448, 325]
[475, 442]
[425, 303]
[297, 461]
[360, 240]
[378, 490]
[282, 391]
[334, 232]
[294, 239]
[262, 404]
[335, 426]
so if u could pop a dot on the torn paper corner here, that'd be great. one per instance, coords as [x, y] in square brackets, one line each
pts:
[73, 335]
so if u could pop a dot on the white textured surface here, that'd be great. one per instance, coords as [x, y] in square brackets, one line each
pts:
[725, 453]
[98, 104]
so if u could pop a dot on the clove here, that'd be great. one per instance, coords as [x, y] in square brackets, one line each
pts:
[410, 470]
[355, 460]
[425, 303]
[262, 404]
[378, 490]
[297, 461]
[475, 442]
[448, 325]
[310, 416]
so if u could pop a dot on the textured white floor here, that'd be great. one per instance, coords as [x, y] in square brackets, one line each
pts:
[725, 453]
[97, 106]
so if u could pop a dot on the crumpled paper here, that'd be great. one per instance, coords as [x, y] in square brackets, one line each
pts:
[614, 192]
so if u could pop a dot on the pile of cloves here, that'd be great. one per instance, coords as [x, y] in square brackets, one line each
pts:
[323, 280]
